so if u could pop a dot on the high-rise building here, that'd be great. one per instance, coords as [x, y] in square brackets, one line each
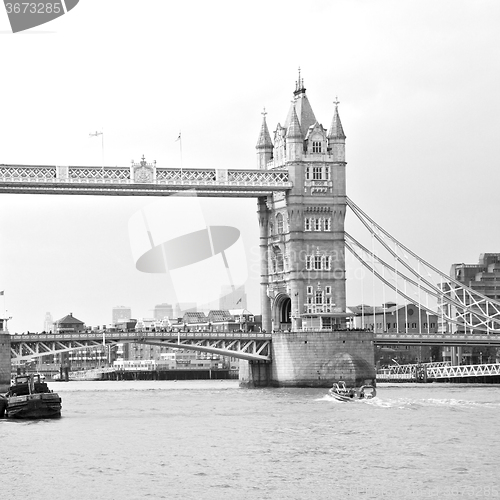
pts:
[483, 277]
[48, 324]
[163, 310]
[233, 299]
[120, 314]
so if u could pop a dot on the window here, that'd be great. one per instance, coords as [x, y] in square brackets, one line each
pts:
[328, 290]
[317, 224]
[317, 173]
[317, 262]
[309, 290]
[316, 147]
[327, 173]
[308, 173]
[328, 262]
[279, 223]
[309, 262]
[307, 224]
[319, 297]
[327, 224]
[279, 262]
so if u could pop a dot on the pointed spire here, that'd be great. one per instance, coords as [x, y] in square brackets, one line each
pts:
[336, 131]
[302, 107]
[264, 136]
[294, 131]
[299, 86]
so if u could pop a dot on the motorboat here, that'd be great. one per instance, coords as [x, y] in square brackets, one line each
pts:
[340, 392]
[30, 397]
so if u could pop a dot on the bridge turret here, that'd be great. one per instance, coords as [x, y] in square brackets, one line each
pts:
[336, 137]
[294, 139]
[264, 145]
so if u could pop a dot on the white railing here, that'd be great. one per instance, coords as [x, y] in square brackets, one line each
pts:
[434, 371]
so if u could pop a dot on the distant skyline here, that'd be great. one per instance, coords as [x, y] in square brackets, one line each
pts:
[417, 83]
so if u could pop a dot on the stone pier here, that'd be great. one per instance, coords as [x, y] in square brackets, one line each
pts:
[5, 366]
[314, 359]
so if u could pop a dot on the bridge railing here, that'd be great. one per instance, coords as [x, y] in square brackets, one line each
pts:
[117, 336]
[437, 339]
[40, 174]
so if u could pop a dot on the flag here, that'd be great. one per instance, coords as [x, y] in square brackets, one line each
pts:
[1, 293]
[178, 138]
[238, 302]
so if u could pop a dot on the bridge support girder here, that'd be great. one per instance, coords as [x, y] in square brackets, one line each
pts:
[254, 374]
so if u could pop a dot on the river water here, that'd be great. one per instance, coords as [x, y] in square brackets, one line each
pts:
[213, 440]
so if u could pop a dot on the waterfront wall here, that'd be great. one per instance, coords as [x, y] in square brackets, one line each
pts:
[4, 362]
[315, 359]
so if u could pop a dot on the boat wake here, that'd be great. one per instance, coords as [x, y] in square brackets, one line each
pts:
[331, 399]
[414, 404]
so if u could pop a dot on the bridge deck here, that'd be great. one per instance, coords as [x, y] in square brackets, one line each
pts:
[124, 181]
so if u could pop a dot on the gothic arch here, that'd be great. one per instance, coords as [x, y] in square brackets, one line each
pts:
[282, 312]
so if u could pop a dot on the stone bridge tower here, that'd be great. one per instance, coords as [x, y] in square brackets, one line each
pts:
[303, 293]
[302, 232]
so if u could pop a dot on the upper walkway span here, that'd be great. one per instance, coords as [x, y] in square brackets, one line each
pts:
[142, 179]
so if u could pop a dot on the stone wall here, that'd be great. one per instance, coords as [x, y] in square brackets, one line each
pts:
[5, 365]
[317, 359]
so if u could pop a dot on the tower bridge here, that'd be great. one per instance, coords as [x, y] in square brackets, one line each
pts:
[300, 187]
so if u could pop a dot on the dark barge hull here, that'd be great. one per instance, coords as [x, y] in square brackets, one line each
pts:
[34, 406]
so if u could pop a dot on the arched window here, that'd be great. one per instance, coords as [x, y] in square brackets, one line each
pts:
[279, 223]
[279, 260]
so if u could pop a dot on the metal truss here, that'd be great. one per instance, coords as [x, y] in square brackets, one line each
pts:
[31, 348]
[421, 283]
[442, 370]
[249, 346]
[161, 181]
[437, 339]
[487, 370]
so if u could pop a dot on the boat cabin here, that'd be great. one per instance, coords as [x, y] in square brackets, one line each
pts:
[28, 384]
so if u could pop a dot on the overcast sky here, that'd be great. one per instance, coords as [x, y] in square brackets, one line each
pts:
[418, 84]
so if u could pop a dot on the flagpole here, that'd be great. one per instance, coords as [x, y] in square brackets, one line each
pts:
[180, 148]
[102, 148]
